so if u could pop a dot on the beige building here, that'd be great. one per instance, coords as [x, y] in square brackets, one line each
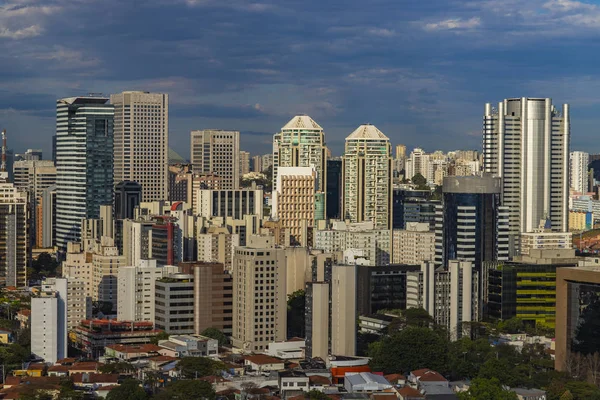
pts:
[414, 244]
[244, 163]
[545, 239]
[216, 245]
[257, 164]
[213, 293]
[294, 201]
[259, 298]
[14, 240]
[317, 314]
[343, 310]
[217, 152]
[367, 177]
[79, 306]
[578, 221]
[141, 141]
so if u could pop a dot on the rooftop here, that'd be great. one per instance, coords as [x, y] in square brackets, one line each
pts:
[128, 349]
[367, 131]
[427, 375]
[302, 122]
[262, 359]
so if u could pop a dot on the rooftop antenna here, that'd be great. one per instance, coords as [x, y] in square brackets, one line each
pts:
[3, 165]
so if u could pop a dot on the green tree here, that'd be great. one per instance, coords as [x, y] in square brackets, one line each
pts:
[513, 325]
[567, 396]
[160, 336]
[412, 348]
[187, 390]
[216, 334]
[120, 367]
[317, 395]
[488, 389]
[466, 356]
[418, 317]
[583, 390]
[420, 181]
[295, 314]
[198, 367]
[587, 336]
[130, 389]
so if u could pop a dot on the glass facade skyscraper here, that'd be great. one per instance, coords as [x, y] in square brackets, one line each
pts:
[84, 163]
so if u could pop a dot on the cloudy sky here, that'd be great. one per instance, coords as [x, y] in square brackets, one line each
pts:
[419, 70]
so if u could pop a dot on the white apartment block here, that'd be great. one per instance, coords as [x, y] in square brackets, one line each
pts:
[544, 239]
[294, 201]
[217, 152]
[259, 295]
[578, 163]
[301, 143]
[526, 143]
[367, 177]
[141, 141]
[375, 245]
[78, 306]
[413, 245]
[136, 289]
[49, 325]
[418, 163]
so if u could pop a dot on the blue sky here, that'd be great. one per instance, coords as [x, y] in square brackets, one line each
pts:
[419, 70]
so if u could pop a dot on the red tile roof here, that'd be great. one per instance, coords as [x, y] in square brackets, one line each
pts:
[95, 378]
[408, 392]
[394, 378]
[261, 359]
[127, 349]
[58, 368]
[427, 375]
[319, 380]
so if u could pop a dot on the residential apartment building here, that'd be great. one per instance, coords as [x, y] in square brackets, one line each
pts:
[244, 163]
[216, 245]
[218, 152]
[367, 177]
[72, 296]
[136, 291]
[141, 141]
[49, 320]
[578, 171]
[535, 176]
[414, 244]
[301, 143]
[14, 243]
[294, 202]
[545, 239]
[229, 203]
[259, 301]
[84, 163]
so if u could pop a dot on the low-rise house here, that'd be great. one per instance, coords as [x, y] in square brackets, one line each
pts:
[365, 382]
[36, 369]
[189, 345]
[6, 337]
[155, 363]
[416, 378]
[529, 394]
[94, 381]
[410, 393]
[24, 318]
[263, 363]
[131, 352]
[376, 323]
[85, 367]
[58, 370]
[103, 391]
[15, 386]
[292, 380]
[396, 379]
[318, 382]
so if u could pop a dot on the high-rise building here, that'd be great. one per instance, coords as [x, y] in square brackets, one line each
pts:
[49, 322]
[257, 164]
[471, 224]
[234, 203]
[29, 155]
[34, 176]
[413, 206]
[333, 196]
[526, 143]
[84, 163]
[294, 202]
[267, 161]
[244, 163]
[128, 195]
[136, 290]
[419, 163]
[216, 244]
[367, 177]
[213, 296]
[301, 143]
[14, 242]
[259, 294]
[77, 305]
[400, 151]
[578, 167]
[106, 262]
[174, 308]
[414, 244]
[46, 216]
[141, 144]
[218, 152]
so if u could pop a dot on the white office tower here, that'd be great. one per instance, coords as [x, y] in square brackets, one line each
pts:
[141, 141]
[294, 202]
[579, 171]
[217, 152]
[301, 143]
[136, 287]
[367, 177]
[526, 143]
[84, 163]
[49, 322]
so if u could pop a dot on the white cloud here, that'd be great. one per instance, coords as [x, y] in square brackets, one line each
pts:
[24, 33]
[453, 24]
[567, 5]
[381, 32]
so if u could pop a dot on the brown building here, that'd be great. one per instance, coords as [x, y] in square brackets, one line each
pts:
[213, 296]
[576, 289]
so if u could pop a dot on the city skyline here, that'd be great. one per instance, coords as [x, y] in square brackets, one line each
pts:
[426, 70]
